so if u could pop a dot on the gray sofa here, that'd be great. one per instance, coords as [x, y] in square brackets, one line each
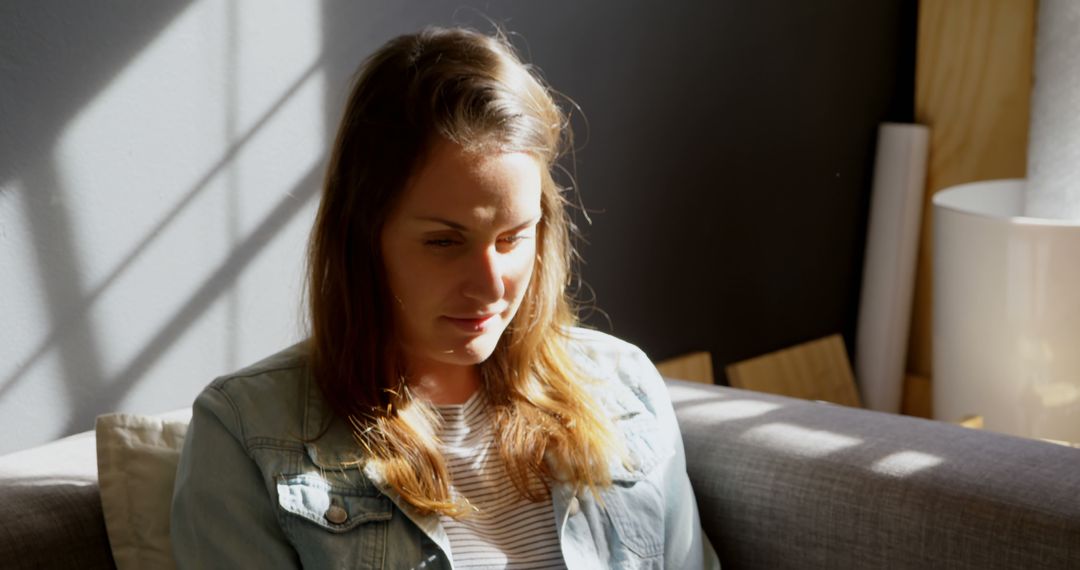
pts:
[781, 483]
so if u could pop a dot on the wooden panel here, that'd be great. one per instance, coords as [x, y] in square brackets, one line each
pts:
[973, 89]
[695, 366]
[916, 400]
[973, 422]
[817, 370]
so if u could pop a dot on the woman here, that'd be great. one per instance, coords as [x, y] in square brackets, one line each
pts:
[445, 411]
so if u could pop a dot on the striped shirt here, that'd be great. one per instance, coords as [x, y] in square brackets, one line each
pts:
[507, 531]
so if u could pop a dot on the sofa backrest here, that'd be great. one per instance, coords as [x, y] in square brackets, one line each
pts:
[50, 510]
[792, 483]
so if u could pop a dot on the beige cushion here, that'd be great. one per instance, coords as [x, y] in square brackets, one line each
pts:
[137, 457]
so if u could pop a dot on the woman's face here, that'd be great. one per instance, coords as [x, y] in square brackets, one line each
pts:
[459, 250]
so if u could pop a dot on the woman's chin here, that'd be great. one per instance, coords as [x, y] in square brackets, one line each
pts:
[471, 352]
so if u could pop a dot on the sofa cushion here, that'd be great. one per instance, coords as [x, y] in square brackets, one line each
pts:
[137, 458]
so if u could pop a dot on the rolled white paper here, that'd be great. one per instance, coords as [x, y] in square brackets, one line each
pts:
[1053, 188]
[896, 205]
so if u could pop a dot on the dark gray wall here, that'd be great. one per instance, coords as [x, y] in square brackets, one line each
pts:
[726, 157]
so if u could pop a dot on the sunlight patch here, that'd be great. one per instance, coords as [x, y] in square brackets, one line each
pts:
[798, 440]
[905, 463]
[739, 409]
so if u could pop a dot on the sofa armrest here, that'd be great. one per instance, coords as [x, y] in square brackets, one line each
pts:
[791, 483]
[50, 509]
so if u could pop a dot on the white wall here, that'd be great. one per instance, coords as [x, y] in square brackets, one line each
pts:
[158, 177]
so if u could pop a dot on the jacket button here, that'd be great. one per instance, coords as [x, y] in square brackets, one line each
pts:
[575, 506]
[336, 514]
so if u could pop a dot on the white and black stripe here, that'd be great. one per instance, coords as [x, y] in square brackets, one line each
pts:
[508, 531]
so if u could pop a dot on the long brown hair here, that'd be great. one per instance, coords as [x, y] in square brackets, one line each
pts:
[471, 89]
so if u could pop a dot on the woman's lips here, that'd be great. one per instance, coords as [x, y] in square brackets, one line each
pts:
[471, 324]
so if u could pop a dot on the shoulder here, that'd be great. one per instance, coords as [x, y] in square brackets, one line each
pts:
[627, 386]
[266, 397]
[618, 366]
[601, 346]
[282, 366]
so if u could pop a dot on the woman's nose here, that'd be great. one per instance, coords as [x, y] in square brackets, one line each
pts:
[484, 281]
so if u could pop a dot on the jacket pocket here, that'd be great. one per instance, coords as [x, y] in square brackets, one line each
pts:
[333, 525]
[333, 507]
[634, 504]
[636, 512]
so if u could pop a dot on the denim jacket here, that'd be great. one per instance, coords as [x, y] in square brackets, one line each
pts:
[254, 491]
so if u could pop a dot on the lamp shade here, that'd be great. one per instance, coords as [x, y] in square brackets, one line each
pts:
[1006, 325]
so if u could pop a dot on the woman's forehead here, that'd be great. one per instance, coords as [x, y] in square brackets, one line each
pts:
[461, 186]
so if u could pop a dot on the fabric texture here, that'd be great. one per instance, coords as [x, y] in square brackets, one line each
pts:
[786, 483]
[137, 458]
[50, 512]
[52, 524]
[506, 529]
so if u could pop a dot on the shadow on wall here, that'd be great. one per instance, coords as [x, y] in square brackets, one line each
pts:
[61, 60]
[72, 334]
[68, 65]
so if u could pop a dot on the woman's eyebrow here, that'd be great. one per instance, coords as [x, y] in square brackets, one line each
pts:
[443, 221]
[456, 226]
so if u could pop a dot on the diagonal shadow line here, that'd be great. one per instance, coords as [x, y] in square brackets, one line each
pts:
[60, 274]
[232, 177]
[45, 67]
[196, 305]
[60, 329]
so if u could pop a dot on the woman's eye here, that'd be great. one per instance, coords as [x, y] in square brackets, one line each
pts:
[515, 238]
[449, 242]
[439, 242]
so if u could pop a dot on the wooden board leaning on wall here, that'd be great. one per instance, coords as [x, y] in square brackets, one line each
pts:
[815, 370]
